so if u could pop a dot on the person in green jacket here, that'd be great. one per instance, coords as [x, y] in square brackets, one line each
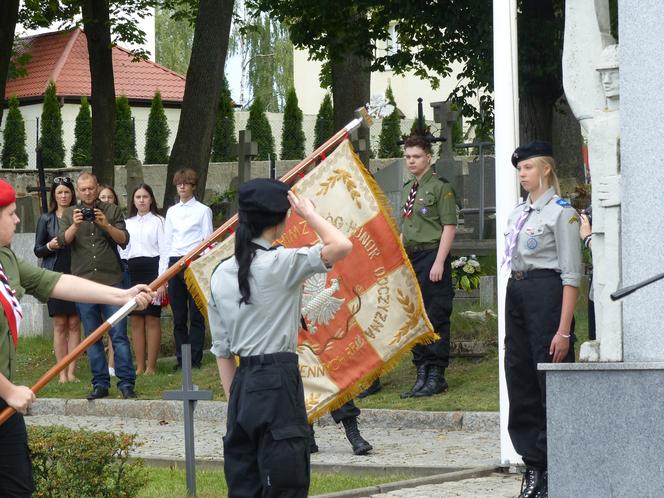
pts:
[16, 279]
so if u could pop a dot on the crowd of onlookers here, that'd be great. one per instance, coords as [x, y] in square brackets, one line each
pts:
[85, 233]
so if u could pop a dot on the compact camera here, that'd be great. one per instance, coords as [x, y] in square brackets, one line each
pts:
[88, 214]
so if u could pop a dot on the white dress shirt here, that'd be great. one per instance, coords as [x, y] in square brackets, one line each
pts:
[146, 237]
[187, 225]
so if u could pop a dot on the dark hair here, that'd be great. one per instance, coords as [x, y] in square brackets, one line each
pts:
[185, 175]
[103, 186]
[153, 205]
[245, 251]
[418, 141]
[53, 204]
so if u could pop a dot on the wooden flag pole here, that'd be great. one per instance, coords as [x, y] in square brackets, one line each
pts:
[362, 119]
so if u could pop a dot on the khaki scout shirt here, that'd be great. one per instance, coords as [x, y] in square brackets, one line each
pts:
[271, 320]
[94, 253]
[549, 239]
[23, 278]
[435, 206]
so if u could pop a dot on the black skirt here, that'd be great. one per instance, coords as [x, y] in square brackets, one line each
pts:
[58, 306]
[144, 270]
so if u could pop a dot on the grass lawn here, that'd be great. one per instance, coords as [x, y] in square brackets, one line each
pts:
[171, 483]
[473, 383]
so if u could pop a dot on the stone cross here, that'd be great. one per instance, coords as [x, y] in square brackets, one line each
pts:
[447, 117]
[189, 394]
[246, 150]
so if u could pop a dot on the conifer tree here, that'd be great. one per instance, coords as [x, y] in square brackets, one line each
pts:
[261, 132]
[156, 136]
[52, 145]
[292, 135]
[125, 137]
[224, 143]
[13, 138]
[81, 152]
[390, 130]
[324, 122]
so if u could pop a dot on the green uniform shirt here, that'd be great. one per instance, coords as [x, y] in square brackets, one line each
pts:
[94, 254]
[23, 278]
[435, 206]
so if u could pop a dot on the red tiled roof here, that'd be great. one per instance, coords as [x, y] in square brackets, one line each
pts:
[62, 56]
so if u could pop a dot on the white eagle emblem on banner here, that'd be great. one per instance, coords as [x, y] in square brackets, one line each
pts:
[318, 302]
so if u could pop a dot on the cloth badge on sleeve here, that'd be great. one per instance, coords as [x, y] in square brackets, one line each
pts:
[573, 219]
[531, 243]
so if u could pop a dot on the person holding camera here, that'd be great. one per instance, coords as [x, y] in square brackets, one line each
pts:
[93, 229]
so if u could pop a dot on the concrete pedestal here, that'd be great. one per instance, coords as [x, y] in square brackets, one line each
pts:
[605, 430]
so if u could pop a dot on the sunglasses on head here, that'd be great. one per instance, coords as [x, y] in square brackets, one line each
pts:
[58, 180]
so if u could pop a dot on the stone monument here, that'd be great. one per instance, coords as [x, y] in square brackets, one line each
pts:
[604, 417]
[590, 76]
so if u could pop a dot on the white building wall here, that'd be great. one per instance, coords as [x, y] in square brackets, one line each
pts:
[407, 88]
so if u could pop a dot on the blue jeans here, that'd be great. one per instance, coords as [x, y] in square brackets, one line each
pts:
[92, 316]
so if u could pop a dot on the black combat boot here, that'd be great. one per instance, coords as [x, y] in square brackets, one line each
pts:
[531, 483]
[420, 380]
[372, 389]
[544, 486]
[360, 446]
[435, 383]
[313, 447]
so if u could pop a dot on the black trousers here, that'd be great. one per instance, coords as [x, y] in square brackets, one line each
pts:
[15, 466]
[266, 446]
[438, 297]
[184, 307]
[532, 316]
[347, 410]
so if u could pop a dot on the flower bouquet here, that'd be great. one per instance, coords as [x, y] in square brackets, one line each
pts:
[466, 272]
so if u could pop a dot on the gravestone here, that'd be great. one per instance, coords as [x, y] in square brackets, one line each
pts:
[604, 417]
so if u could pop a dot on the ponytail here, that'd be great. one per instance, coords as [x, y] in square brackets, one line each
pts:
[245, 250]
[244, 254]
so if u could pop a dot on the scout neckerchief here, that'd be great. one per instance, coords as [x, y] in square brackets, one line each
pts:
[510, 240]
[410, 201]
[12, 307]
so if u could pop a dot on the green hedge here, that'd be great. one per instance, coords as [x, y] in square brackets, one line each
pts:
[80, 464]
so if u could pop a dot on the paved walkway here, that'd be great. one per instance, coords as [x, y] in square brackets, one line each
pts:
[460, 442]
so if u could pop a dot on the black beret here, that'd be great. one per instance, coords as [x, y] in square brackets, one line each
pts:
[263, 195]
[533, 149]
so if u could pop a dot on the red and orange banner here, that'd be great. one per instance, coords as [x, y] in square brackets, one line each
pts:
[365, 313]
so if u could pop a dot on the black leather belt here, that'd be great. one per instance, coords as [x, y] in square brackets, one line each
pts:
[524, 275]
[268, 359]
[421, 247]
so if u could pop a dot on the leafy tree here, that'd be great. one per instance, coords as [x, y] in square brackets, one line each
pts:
[13, 138]
[174, 36]
[52, 145]
[224, 143]
[292, 136]
[324, 122]
[156, 136]
[205, 76]
[124, 142]
[390, 130]
[261, 132]
[266, 57]
[81, 152]
[8, 17]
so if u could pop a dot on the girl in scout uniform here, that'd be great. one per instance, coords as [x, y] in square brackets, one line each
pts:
[254, 313]
[543, 257]
[16, 279]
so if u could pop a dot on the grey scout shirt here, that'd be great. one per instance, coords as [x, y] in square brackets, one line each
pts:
[271, 320]
[549, 238]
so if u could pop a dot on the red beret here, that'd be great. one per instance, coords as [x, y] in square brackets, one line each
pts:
[7, 194]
